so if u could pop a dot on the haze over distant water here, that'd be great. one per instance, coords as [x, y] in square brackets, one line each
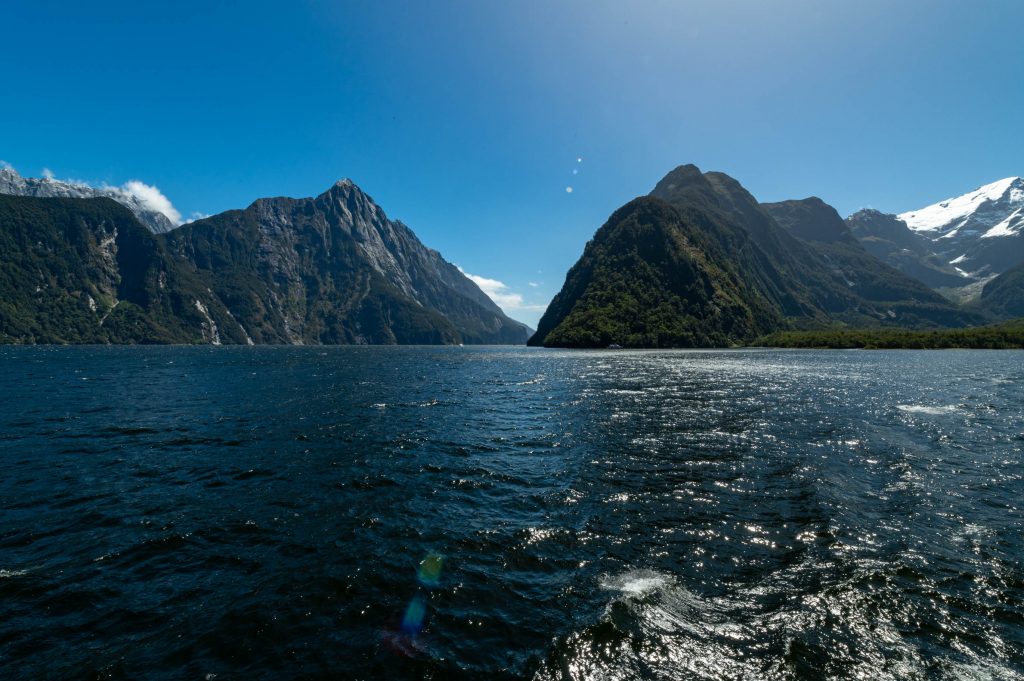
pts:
[396, 512]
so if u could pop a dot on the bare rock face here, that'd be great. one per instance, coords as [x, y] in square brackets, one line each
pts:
[890, 240]
[332, 269]
[14, 184]
[335, 269]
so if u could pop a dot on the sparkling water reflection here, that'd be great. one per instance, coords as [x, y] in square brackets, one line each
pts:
[455, 512]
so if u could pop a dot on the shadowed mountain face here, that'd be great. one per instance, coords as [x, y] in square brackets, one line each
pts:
[809, 271]
[652, 278]
[330, 269]
[1004, 295]
[890, 240]
[86, 271]
[812, 220]
[819, 226]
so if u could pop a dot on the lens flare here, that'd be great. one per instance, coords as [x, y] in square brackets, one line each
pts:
[429, 572]
[415, 613]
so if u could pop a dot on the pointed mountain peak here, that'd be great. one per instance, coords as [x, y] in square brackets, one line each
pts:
[683, 173]
[344, 185]
[347, 191]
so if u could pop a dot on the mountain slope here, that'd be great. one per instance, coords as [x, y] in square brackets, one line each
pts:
[651, 278]
[86, 271]
[1004, 295]
[890, 240]
[819, 226]
[699, 262]
[981, 232]
[326, 270]
[737, 224]
[335, 269]
[11, 183]
[815, 282]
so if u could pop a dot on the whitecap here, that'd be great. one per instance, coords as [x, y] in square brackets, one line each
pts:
[4, 574]
[927, 409]
[635, 582]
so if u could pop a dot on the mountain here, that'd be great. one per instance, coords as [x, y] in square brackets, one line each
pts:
[822, 278]
[810, 273]
[652, 278]
[86, 271]
[334, 269]
[13, 184]
[326, 270]
[981, 232]
[1004, 295]
[873, 282]
[890, 240]
[811, 219]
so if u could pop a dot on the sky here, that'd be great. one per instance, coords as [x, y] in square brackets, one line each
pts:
[505, 133]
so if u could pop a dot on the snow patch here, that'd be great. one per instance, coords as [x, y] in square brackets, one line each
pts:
[940, 214]
[1011, 226]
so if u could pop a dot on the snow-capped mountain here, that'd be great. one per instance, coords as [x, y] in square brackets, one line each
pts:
[146, 202]
[981, 232]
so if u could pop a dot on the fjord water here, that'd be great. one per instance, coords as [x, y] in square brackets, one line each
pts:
[388, 512]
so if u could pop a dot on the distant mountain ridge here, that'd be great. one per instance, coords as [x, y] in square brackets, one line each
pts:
[981, 232]
[326, 270]
[13, 184]
[974, 236]
[890, 240]
[792, 264]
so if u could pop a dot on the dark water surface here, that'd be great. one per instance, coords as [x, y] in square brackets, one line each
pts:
[268, 513]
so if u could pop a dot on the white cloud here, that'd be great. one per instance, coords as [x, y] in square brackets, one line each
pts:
[196, 215]
[499, 292]
[147, 195]
[4, 165]
[152, 198]
[534, 284]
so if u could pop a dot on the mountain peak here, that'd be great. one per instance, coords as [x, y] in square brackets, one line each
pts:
[948, 215]
[980, 232]
[346, 187]
[810, 219]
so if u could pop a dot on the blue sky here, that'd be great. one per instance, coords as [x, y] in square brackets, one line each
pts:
[466, 119]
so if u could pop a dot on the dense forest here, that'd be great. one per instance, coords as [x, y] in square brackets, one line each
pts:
[1006, 335]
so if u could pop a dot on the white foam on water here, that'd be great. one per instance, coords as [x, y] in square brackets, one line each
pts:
[4, 574]
[635, 582]
[927, 409]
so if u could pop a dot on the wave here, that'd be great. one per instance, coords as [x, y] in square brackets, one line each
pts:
[927, 409]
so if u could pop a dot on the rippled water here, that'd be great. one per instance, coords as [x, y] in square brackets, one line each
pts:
[510, 513]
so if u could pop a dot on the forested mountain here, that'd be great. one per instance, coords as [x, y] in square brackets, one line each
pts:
[809, 272]
[330, 269]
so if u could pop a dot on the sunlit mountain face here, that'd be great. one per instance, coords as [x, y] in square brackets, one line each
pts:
[980, 232]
